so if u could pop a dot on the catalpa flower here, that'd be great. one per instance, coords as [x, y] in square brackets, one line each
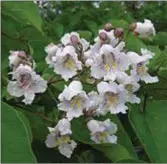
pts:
[129, 86]
[103, 132]
[51, 50]
[66, 62]
[112, 98]
[109, 63]
[91, 55]
[74, 39]
[26, 83]
[20, 57]
[73, 100]
[140, 69]
[60, 137]
[106, 37]
[143, 29]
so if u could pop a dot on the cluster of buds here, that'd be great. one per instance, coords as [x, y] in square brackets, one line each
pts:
[116, 72]
[25, 82]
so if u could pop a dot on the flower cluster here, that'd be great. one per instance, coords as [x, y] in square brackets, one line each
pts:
[115, 72]
[25, 82]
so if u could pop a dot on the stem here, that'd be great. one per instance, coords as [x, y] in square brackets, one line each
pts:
[54, 81]
[51, 94]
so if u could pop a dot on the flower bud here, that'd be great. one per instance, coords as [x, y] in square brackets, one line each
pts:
[119, 32]
[132, 27]
[74, 39]
[108, 27]
[22, 54]
[103, 36]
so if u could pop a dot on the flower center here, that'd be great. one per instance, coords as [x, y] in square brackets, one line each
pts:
[112, 99]
[109, 61]
[102, 136]
[25, 80]
[76, 102]
[69, 62]
[129, 87]
[141, 69]
[63, 139]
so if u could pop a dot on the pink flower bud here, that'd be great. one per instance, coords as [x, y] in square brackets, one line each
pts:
[103, 36]
[74, 39]
[108, 27]
[132, 27]
[119, 32]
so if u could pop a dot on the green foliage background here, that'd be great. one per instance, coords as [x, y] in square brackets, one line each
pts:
[142, 133]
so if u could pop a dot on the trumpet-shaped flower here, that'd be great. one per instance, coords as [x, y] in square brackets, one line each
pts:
[60, 137]
[106, 37]
[109, 63]
[66, 62]
[112, 98]
[73, 100]
[26, 83]
[129, 86]
[145, 29]
[20, 57]
[140, 69]
[74, 39]
[103, 132]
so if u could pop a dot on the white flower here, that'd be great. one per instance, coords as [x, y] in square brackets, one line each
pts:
[106, 37]
[129, 86]
[73, 100]
[112, 98]
[51, 50]
[66, 63]
[103, 38]
[146, 52]
[109, 63]
[74, 39]
[91, 55]
[103, 132]
[139, 64]
[60, 137]
[20, 57]
[26, 82]
[145, 29]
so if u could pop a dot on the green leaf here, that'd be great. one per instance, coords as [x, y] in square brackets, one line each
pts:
[133, 43]
[38, 125]
[123, 138]
[130, 161]
[37, 42]
[85, 34]
[120, 23]
[26, 12]
[92, 26]
[16, 141]
[160, 38]
[57, 29]
[114, 152]
[150, 126]
[27, 124]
